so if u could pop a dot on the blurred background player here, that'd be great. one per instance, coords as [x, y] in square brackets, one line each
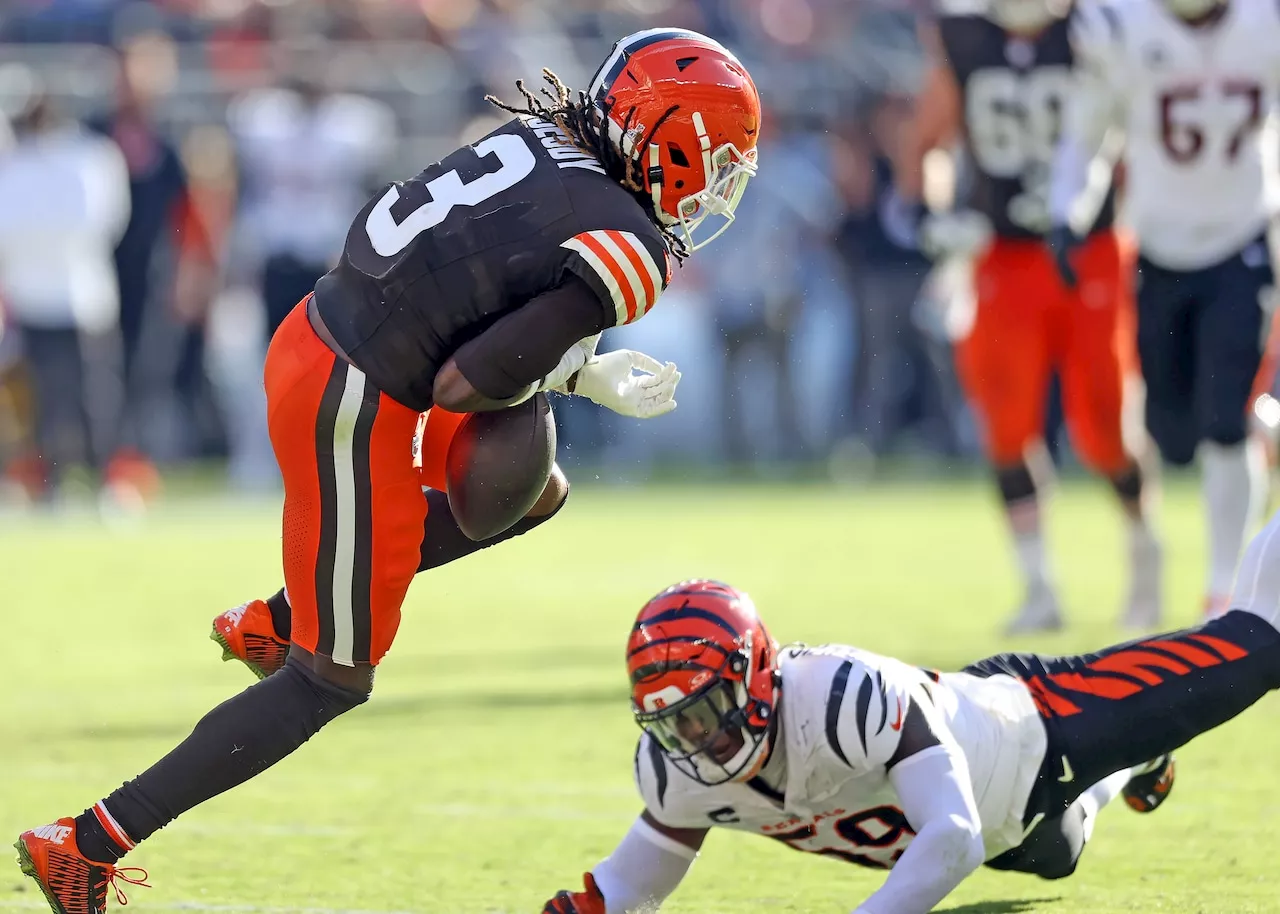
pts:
[297, 208]
[758, 288]
[64, 205]
[1000, 73]
[897, 361]
[164, 263]
[1191, 85]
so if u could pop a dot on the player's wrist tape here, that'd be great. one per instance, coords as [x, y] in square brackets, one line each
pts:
[525, 394]
[563, 378]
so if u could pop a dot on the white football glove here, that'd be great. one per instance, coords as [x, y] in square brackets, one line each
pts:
[610, 381]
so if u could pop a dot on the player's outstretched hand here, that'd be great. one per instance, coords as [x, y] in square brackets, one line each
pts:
[630, 383]
[1062, 244]
[588, 902]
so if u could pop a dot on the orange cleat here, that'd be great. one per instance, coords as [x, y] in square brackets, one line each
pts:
[246, 634]
[71, 882]
[1150, 785]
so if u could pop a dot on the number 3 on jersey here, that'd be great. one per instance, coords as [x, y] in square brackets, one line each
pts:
[448, 190]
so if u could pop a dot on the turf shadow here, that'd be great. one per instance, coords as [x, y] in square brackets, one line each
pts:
[1011, 906]
[417, 705]
[432, 702]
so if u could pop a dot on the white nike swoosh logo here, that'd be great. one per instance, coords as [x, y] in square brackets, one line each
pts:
[1067, 774]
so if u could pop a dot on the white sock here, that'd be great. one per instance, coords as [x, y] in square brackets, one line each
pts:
[1099, 795]
[1028, 543]
[1257, 587]
[1235, 487]
[1141, 534]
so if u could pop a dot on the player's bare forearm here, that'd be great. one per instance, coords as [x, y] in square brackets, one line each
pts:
[452, 391]
[936, 123]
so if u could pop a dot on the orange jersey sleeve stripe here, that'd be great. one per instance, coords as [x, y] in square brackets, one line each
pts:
[612, 260]
[642, 265]
[626, 268]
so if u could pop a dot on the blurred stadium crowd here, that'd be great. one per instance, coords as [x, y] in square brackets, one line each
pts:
[175, 175]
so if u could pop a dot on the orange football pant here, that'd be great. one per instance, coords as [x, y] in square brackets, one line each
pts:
[353, 502]
[1029, 324]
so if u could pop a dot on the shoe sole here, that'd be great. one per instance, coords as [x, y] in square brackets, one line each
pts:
[28, 867]
[228, 654]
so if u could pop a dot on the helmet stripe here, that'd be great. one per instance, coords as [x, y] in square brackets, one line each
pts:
[613, 66]
[679, 639]
[724, 593]
[685, 611]
[662, 667]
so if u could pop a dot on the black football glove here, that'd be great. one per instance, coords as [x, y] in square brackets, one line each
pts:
[1062, 244]
[587, 902]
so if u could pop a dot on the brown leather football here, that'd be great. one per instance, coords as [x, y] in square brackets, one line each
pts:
[498, 464]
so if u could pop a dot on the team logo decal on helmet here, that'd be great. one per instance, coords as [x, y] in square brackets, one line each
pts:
[704, 680]
[687, 112]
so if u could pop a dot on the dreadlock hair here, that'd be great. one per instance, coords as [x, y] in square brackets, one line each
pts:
[577, 119]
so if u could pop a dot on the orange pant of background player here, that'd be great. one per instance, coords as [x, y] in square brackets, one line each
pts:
[353, 502]
[1029, 325]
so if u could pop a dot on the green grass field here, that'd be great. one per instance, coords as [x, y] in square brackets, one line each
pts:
[493, 764]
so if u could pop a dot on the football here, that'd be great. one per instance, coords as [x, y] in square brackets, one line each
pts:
[498, 464]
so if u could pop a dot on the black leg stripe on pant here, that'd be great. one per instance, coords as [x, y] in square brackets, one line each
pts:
[325, 420]
[362, 562]
[344, 428]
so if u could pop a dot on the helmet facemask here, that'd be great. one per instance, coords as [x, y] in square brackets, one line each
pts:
[726, 171]
[719, 733]
[724, 176]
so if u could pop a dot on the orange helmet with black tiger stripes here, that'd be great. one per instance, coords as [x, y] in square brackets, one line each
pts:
[687, 111]
[704, 679]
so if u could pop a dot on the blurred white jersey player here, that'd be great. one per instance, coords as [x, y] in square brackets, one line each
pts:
[1189, 88]
[865, 759]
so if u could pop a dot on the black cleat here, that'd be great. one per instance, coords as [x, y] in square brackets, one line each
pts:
[1150, 785]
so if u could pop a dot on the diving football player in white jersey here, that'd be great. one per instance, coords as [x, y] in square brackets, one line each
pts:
[1189, 87]
[837, 751]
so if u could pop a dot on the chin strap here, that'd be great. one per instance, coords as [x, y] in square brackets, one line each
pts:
[655, 177]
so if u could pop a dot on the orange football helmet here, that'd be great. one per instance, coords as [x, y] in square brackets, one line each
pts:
[704, 680]
[686, 111]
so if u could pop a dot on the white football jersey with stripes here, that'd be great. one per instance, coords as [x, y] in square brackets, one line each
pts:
[1196, 108]
[841, 714]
